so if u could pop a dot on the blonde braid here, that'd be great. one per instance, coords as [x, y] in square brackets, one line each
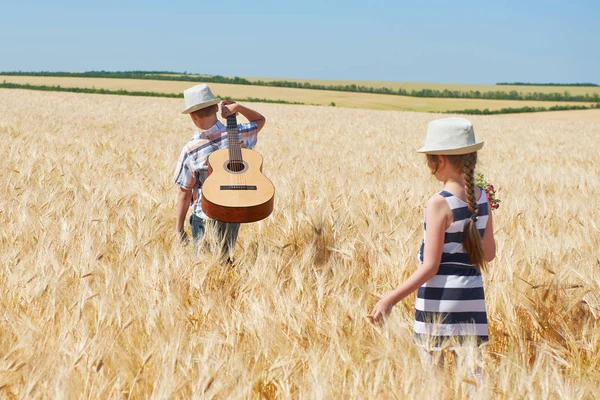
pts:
[472, 243]
[468, 162]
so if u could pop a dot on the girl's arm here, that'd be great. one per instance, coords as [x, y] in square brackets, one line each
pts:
[489, 244]
[438, 217]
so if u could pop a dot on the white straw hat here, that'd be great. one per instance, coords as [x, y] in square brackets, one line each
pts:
[448, 136]
[198, 97]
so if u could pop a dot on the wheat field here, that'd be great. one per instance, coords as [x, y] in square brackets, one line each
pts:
[305, 96]
[98, 301]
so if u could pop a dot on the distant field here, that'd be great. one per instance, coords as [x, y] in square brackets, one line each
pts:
[572, 115]
[307, 96]
[574, 90]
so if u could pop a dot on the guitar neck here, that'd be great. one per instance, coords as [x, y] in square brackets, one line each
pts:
[233, 136]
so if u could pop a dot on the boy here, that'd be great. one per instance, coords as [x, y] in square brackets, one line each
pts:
[192, 167]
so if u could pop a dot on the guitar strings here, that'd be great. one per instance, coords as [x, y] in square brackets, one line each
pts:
[235, 154]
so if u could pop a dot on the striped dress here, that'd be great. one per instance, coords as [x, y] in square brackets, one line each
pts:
[451, 305]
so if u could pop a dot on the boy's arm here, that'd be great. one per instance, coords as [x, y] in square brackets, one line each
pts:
[229, 107]
[183, 203]
[185, 179]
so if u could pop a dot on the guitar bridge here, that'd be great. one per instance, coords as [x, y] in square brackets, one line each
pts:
[238, 187]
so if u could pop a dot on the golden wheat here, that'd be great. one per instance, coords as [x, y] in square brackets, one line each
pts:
[99, 302]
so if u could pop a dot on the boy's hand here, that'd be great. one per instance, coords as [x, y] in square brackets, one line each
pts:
[182, 237]
[229, 107]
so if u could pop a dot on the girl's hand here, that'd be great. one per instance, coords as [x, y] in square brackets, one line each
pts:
[229, 107]
[382, 309]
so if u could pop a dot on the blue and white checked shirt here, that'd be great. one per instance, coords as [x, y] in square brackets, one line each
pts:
[192, 167]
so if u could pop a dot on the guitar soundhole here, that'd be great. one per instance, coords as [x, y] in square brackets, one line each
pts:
[236, 167]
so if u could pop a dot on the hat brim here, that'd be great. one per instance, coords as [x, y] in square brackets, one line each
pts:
[455, 151]
[200, 106]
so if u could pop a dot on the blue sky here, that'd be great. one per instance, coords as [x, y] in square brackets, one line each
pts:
[422, 41]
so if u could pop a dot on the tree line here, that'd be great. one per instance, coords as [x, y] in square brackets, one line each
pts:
[435, 93]
[150, 75]
[512, 110]
[584, 84]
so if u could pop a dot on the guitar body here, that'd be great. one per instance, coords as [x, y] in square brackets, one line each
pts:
[237, 191]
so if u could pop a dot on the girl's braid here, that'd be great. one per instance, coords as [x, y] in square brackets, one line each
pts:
[468, 162]
[472, 243]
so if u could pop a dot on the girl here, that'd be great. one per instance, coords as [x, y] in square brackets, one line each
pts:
[450, 301]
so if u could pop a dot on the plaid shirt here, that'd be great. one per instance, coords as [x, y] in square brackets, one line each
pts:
[192, 167]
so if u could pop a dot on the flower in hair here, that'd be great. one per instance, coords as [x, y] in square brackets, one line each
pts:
[489, 189]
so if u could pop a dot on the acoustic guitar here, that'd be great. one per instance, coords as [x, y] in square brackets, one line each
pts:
[236, 190]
